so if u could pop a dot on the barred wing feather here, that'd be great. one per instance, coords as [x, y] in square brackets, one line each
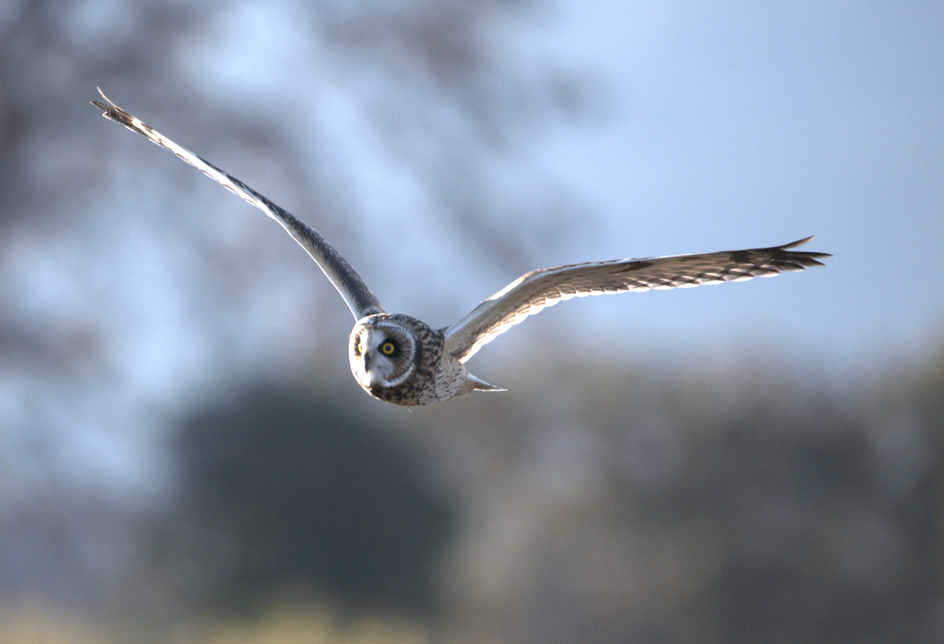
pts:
[345, 279]
[545, 287]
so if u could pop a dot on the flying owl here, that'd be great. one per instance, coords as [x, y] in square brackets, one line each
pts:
[399, 359]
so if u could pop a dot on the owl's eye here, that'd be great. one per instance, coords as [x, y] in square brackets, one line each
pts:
[388, 348]
[359, 349]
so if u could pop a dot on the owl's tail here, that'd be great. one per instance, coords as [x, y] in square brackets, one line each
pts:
[476, 384]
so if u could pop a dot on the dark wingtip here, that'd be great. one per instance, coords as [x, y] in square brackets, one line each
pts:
[110, 111]
[799, 242]
[809, 254]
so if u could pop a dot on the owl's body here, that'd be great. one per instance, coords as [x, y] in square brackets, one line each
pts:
[399, 359]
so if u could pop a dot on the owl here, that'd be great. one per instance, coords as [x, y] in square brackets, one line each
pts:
[399, 359]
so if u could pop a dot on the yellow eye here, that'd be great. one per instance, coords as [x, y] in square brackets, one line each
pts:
[360, 347]
[388, 348]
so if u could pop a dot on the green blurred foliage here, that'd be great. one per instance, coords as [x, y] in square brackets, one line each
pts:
[286, 488]
[789, 514]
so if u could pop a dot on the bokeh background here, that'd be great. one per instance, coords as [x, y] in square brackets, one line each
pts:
[184, 456]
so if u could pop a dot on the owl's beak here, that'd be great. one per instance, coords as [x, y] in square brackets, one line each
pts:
[373, 377]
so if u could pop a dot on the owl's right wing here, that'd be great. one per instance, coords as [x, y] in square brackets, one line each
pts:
[539, 289]
[349, 284]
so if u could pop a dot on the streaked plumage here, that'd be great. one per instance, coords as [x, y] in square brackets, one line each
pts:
[399, 359]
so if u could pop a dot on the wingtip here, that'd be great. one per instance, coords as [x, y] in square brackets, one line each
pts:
[809, 253]
[799, 242]
[106, 109]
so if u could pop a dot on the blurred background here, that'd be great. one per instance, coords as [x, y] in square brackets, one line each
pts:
[185, 457]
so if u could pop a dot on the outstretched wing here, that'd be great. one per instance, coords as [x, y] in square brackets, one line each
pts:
[539, 289]
[349, 284]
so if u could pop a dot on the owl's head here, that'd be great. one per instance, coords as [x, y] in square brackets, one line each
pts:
[383, 351]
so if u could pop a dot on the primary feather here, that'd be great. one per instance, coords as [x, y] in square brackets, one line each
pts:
[349, 284]
[545, 287]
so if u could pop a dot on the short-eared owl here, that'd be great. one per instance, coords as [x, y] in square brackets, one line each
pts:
[399, 359]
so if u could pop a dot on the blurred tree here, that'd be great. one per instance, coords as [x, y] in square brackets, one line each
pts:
[120, 299]
[286, 488]
[795, 519]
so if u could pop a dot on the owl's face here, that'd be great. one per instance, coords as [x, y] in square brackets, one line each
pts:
[399, 359]
[382, 352]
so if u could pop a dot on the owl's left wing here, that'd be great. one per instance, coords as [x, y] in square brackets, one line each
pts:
[349, 284]
[545, 287]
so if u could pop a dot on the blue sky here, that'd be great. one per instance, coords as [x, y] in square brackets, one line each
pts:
[732, 124]
[712, 126]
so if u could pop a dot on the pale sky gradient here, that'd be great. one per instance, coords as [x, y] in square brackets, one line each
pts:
[737, 124]
[712, 127]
